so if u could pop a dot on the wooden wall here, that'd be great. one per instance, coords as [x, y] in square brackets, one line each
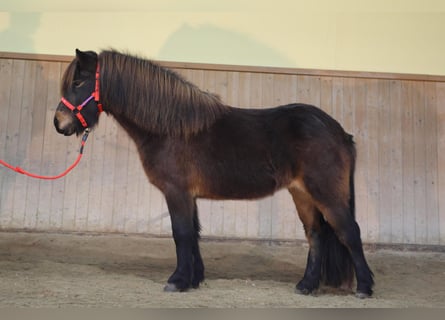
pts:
[398, 122]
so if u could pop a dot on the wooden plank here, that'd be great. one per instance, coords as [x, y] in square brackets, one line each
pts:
[109, 165]
[440, 94]
[326, 84]
[303, 89]
[5, 94]
[256, 92]
[373, 179]
[82, 190]
[143, 205]
[337, 99]
[42, 210]
[293, 88]
[315, 91]
[396, 162]
[431, 159]
[384, 162]
[6, 177]
[57, 156]
[12, 142]
[120, 181]
[95, 152]
[134, 170]
[35, 150]
[197, 78]
[165, 221]
[70, 196]
[209, 81]
[348, 106]
[50, 165]
[419, 162]
[408, 163]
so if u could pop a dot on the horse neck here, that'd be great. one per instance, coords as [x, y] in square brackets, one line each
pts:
[157, 100]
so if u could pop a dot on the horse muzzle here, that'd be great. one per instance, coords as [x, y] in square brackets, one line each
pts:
[64, 123]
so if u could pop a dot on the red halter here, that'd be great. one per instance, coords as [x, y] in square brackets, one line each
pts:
[95, 95]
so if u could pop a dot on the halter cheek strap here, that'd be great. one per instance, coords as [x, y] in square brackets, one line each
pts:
[78, 110]
[96, 93]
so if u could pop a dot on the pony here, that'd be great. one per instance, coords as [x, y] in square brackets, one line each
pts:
[193, 146]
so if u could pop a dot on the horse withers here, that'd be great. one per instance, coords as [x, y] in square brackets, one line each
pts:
[193, 146]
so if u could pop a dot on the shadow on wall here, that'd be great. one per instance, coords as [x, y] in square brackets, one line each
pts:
[211, 44]
[18, 37]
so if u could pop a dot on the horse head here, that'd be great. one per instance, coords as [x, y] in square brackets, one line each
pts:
[79, 107]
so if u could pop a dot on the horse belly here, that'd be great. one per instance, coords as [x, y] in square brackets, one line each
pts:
[248, 182]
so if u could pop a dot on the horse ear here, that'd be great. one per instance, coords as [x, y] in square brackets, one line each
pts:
[87, 60]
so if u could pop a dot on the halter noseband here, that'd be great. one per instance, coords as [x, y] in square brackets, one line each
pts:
[95, 95]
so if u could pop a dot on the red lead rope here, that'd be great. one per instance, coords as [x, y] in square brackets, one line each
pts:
[32, 175]
[96, 97]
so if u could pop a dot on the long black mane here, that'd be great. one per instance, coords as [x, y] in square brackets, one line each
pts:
[155, 98]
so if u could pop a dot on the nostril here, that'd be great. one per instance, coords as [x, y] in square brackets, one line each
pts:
[57, 126]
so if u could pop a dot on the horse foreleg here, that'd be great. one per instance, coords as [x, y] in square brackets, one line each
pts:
[310, 218]
[182, 209]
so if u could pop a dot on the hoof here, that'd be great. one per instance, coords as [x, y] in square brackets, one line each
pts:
[171, 287]
[304, 292]
[362, 295]
[305, 289]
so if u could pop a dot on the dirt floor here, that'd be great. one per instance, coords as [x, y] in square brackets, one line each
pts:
[64, 270]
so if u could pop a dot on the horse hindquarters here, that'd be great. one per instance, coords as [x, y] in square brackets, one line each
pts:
[326, 190]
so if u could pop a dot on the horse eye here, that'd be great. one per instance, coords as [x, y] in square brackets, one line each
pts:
[78, 83]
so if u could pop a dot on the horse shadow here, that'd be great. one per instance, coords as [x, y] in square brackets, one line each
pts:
[228, 266]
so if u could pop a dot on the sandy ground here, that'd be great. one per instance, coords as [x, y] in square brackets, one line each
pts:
[66, 270]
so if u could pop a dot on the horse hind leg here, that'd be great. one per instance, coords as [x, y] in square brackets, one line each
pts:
[343, 244]
[310, 217]
[348, 232]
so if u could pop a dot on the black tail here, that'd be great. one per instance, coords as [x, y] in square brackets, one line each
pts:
[353, 153]
[337, 267]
